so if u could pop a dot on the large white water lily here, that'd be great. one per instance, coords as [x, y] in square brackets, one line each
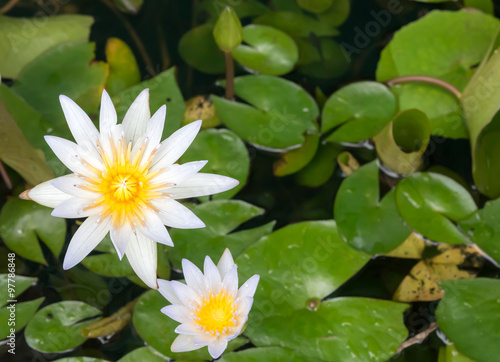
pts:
[210, 307]
[125, 182]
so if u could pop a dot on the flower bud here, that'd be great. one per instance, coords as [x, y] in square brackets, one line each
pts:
[227, 31]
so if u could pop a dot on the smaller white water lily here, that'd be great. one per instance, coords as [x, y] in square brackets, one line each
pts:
[211, 308]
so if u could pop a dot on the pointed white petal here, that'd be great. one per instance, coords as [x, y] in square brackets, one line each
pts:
[72, 185]
[155, 229]
[193, 276]
[217, 347]
[155, 126]
[230, 281]
[183, 343]
[174, 146]
[225, 263]
[185, 294]
[120, 238]
[176, 215]
[203, 339]
[136, 119]
[177, 174]
[107, 116]
[212, 275]
[243, 308]
[249, 287]
[187, 328]
[79, 123]
[141, 254]
[86, 238]
[178, 313]
[47, 195]
[73, 208]
[202, 184]
[166, 289]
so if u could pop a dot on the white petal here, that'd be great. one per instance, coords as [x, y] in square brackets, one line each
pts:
[178, 313]
[79, 123]
[203, 184]
[230, 281]
[86, 238]
[225, 263]
[212, 275]
[73, 208]
[244, 306]
[193, 276]
[120, 238]
[141, 254]
[249, 287]
[107, 116]
[155, 229]
[166, 289]
[187, 328]
[183, 343]
[174, 214]
[185, 294]
[155, 126]
[47, 195]
[177, 174]
[136, 119]
[203, 339]
[217, 347]
[72, 185]
[174, 146]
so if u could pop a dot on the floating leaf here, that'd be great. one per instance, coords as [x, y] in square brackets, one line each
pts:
[321, 167]
[486, 6]
[143, 354]
[430, 203]
[296, 264]
[213, 145]
[469, 316]
[296, 24]
[157, 330]
[269, 354]
[283, 111]
[163, 89]
[56, 327]
[322, 58]
[112, 324]
[80, 359]
[341, 329]
[401, 144]
[366, 222]
[411, 248]
[197, 48]
[123, 69]
[422, 283]
[201, 107]
[20, 316]
[296, 159]
[337, 14]
[359, 110]
[19, 284]
[315, 6]
[221, 218]
[269, 51]
[449, 353]
[434, 46]
[24, 40]
[23, 222]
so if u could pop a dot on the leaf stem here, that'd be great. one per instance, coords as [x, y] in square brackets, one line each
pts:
[425, 79]
[8, 6]
[229, 76]
[5, 176]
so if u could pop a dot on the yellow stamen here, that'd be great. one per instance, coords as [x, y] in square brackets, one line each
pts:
[217, 313]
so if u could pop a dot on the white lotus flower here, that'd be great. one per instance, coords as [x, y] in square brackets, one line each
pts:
[211, 308]
[125, 182]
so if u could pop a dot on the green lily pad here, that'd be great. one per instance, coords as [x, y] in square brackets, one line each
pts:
[244, 8]
[123, 69]
[366, 222]
[269, 354]
[221, 217]
[57, 327]
[486, 6]
[341, 329]
[269, 51]
[468, 316]
[296, 159]
[297, 263]
[197, 48]
[80, 359]
[23, 313]
[315, 6]
[163, 89]
[21, 283]
[296, 24]
[430, 203]
[23, 222]
[283, 111]
[67, 69]
[322, 58]
[359, 110]
[449, 353]
[321, 167]
[157, 330]
[442, 44]
[24, 40]
[337, 14]
[143, 354]
[212, 145]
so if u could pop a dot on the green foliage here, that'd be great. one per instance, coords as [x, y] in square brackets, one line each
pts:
[123, 68]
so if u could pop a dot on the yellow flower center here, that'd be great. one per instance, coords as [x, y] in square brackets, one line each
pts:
[125, 184]
[217, 313]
